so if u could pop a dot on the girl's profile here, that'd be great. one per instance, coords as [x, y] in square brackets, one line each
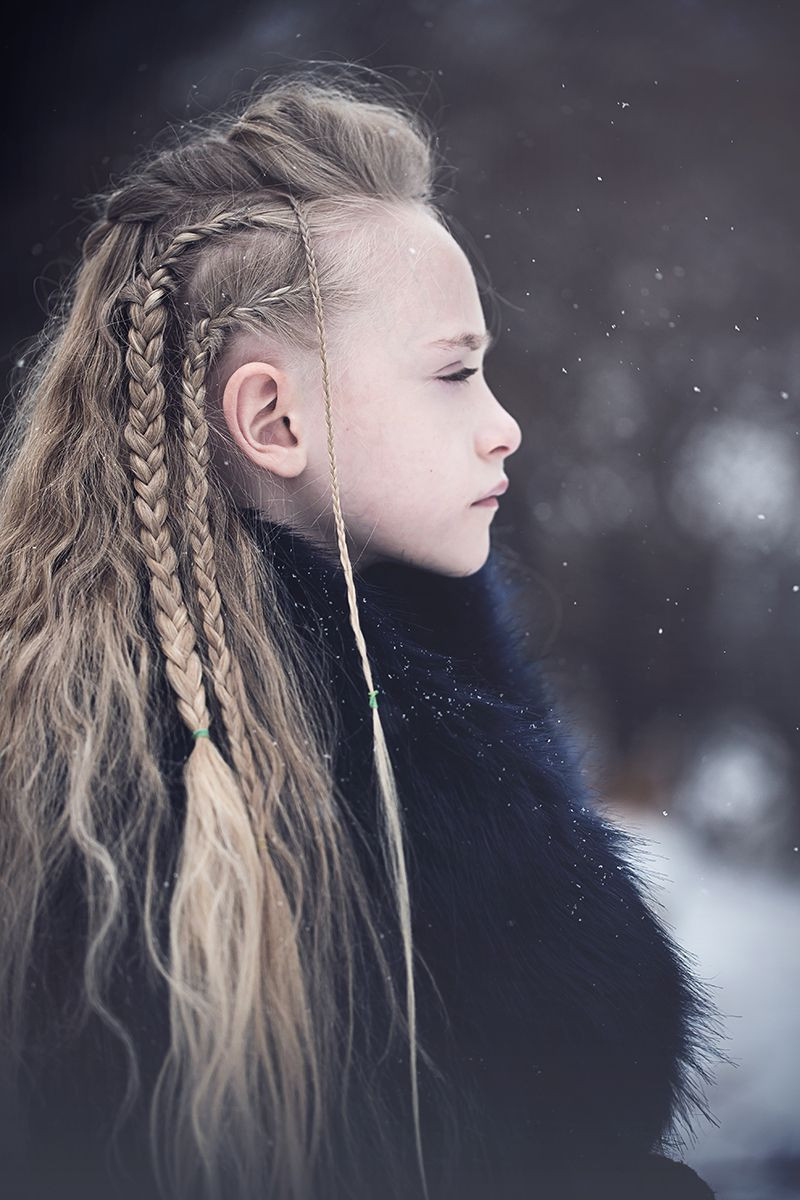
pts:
[304, 894]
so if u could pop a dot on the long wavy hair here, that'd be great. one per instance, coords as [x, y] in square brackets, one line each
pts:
[125, 564]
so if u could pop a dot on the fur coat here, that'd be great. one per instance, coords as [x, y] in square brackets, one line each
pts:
[573, 1037]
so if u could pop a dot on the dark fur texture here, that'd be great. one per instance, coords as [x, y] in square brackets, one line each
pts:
[577, 1029]
[574, 1038]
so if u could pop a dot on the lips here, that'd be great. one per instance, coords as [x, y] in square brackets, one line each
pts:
[498, 490]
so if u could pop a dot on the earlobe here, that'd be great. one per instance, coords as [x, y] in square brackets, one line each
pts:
[263, 421]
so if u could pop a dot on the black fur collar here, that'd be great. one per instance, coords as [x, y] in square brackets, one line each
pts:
[576, 1028]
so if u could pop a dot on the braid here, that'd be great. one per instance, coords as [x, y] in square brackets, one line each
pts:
[337, 507]
[202, 341]
[203, 229]
[386, 779]
[144, 435]
[202, 546]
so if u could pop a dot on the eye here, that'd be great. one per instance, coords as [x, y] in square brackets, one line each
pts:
[460, 376]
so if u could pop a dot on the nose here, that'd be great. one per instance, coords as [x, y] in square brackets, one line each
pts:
[515, 434]
[500, 430]
[511, 432]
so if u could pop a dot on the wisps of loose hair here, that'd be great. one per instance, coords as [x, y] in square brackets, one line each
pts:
[127, 573]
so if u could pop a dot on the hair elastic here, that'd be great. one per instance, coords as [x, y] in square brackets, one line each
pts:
[200, 733]
[373, 703]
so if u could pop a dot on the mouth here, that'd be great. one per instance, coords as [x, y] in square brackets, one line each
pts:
[491, 498]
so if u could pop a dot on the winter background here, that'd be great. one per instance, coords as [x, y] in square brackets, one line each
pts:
[625, 175]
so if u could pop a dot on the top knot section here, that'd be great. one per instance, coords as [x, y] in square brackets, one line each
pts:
[301, 135]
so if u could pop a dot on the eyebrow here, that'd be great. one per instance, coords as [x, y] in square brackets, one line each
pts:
[466, 341]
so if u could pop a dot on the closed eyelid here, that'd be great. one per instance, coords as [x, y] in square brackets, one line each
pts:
[460, 376]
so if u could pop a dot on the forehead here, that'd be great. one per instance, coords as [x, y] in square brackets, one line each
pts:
[427, 287]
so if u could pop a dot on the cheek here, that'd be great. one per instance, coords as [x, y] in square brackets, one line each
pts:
[363, 454]
[394, 449]
[380, 443]
[361, 421]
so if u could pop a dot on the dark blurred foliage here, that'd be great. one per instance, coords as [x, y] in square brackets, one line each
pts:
[626, 175]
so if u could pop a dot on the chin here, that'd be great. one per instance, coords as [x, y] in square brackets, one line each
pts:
[460, 566]
[455, 561]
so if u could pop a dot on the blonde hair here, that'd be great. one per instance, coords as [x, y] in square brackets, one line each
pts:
[119, 539]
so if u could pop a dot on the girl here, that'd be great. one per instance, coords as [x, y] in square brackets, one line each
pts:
[303, 894]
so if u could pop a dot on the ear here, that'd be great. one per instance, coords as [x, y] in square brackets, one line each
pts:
[264, 418]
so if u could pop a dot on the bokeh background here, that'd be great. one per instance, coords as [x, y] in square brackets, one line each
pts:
[625, 176]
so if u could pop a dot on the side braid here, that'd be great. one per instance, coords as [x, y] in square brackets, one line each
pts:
[202, 341]
[144, 435]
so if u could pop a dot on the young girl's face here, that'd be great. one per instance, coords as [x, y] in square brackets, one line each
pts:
[414, 451]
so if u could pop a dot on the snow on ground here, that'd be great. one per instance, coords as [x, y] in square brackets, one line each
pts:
[741, 926]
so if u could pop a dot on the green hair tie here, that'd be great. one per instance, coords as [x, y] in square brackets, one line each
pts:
[200, 733]
[373, 703]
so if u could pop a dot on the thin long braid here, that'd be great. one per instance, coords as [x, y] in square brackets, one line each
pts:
[385, 772]
[202, 341]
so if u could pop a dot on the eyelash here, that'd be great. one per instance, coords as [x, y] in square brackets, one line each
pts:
[460, 376]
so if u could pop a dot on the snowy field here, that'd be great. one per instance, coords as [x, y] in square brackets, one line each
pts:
[741, 925]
